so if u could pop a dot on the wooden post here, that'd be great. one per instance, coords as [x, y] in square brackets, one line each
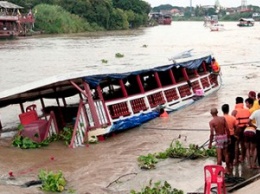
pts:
[172, 76]
[204, 66]
[157, 78]
[140, 84]
[91, 105]
[1, 127]
[196, 73]
[21, 107]
[123, 88]
[184, 72]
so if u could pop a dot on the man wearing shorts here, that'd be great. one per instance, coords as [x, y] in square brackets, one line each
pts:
[219, 129]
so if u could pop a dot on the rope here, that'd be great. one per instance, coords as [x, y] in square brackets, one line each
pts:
[240, 63]
[175, 129]
[115, 181]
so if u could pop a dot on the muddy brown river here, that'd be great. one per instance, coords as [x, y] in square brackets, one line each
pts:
[110, 167]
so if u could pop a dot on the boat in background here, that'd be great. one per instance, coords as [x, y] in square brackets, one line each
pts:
[246, 22]
[217, 27]
[210, 20]
[110, 101]
[12, 22]
[160, 18]
[165, 19]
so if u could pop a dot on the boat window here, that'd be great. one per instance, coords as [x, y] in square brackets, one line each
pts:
[200, 69]
[190, 73]
[165, 78]
[178, 74]
[131, 85]
[148, 81]
[112, 90]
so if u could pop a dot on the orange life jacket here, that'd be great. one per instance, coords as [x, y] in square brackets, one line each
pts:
[242, 115]
[215, 67]
[164, 114]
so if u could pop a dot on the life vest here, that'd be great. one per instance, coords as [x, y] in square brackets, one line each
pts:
[242, 115]
[164, 114]
[215, 67]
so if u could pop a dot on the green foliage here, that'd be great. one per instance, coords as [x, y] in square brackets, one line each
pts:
[54, 182]
[26, 143]
[162, 155]
[158, 188]
[236, 17]
[118, 20]
[147, 162]
[119, 55]
[104, 61]
[66, 134]
[54, 19]
[86, 15]
[176, 150]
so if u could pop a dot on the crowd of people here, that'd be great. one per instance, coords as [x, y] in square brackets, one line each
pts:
[237, 133]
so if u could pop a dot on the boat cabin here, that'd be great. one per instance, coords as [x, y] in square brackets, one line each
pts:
[246, 22]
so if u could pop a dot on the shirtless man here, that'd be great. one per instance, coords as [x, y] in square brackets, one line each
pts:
[219, 129]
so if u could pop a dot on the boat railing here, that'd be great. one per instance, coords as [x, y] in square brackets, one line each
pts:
[81, 125]
[52, 127]
[25, 18]
[8, 17]
[102, 117]
[177, 93]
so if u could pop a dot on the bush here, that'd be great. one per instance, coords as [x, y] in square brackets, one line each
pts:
[54, 19]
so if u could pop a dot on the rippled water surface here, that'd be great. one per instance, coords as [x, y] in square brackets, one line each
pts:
[111, 166]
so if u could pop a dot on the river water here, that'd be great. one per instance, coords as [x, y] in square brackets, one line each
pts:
[111, 166]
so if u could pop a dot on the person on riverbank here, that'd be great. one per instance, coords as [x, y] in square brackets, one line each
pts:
[252, 94]
[219, 130]
[231, 122]
[256, 116]
[250, 138]
[242, 117]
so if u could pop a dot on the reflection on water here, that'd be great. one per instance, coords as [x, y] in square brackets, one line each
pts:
[94, 169]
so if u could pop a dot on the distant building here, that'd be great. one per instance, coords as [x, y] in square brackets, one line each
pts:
[176, 12]
[230, 11]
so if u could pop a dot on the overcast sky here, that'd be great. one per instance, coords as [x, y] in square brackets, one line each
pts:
[186, 3]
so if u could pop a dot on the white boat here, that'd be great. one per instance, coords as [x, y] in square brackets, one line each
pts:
[217, 27]
[114, 100]
[246, 22]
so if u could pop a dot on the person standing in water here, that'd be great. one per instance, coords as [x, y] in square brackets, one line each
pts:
[219, 130]
[215, 66]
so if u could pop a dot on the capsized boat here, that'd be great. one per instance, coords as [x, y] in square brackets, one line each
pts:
[110, 101]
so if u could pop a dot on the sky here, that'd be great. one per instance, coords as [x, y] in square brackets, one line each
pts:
[186, 3]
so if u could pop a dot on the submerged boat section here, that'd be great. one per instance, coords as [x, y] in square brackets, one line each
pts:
[113, 101]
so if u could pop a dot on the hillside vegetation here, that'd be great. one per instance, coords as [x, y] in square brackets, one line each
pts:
[70, 16]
